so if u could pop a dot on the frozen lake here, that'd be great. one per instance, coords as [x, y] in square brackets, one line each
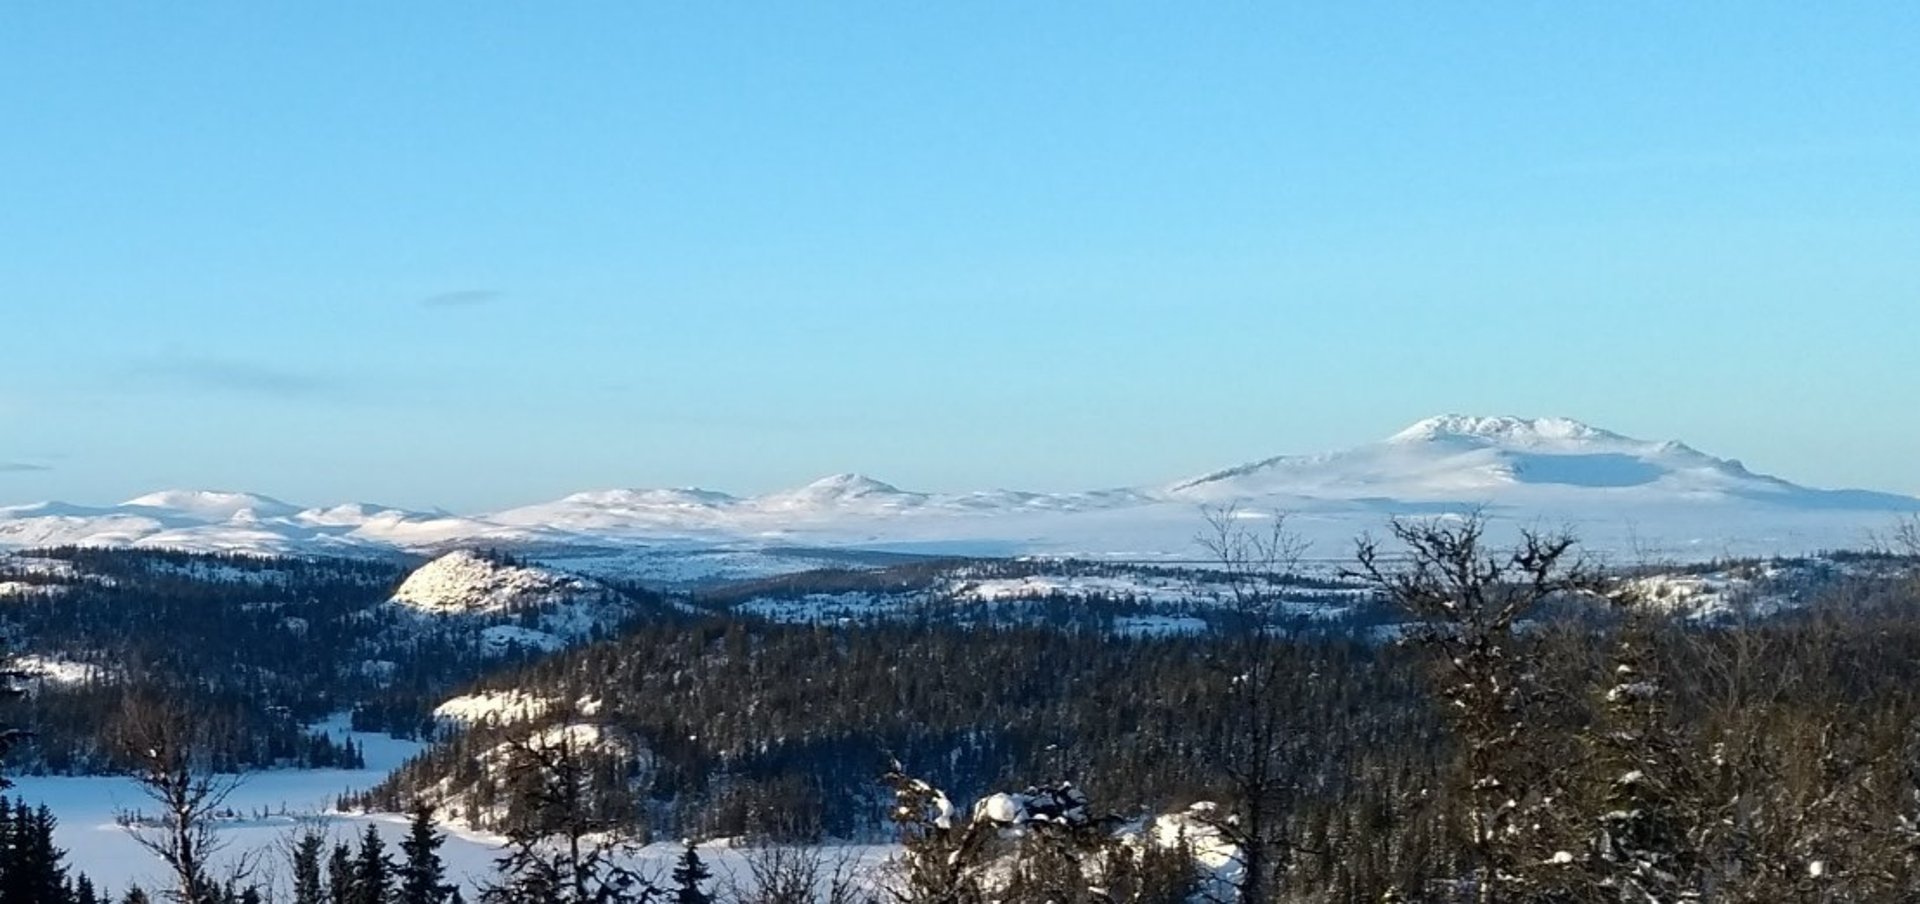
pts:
[281, 804]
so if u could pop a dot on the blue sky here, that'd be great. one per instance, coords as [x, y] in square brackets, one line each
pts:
[479, 254]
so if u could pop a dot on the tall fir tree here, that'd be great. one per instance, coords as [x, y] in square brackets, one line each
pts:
[372, 873]
[688, 873]
[422, 875]
[340, 875]
[30, 865]
[309, 887]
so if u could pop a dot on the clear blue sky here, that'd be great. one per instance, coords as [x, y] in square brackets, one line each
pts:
[477, 254]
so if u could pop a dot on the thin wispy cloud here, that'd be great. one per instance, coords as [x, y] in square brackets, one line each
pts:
[463, 298]
[21, 467]
[227, 376]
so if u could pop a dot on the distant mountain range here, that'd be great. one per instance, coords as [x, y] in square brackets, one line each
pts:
[1615, 490]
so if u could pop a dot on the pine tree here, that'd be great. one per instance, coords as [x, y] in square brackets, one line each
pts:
[372, 873]
[687, 876]
[136, 895]
[308, 886]
[422, 875]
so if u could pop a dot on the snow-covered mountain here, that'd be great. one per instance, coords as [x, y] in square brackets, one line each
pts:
[1608, 486]
[1511, 462]
[509, 604]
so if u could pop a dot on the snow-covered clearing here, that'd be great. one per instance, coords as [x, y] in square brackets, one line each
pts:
[55, 670]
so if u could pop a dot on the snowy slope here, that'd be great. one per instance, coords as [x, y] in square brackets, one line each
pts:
[465, 583]
[1615, 490]
[508, 606]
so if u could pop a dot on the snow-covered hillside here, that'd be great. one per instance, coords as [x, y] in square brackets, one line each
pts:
[464, 582]
[512, 605]
[1617, 491]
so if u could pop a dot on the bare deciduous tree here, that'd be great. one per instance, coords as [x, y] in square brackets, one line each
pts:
[794, 874]
[166, 748]
[1256, 554]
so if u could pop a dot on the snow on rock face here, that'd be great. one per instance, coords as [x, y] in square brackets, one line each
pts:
[465, 583]
[1504, 428]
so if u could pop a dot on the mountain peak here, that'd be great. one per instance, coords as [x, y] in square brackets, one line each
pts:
[849, 485]
[839, 492]
[1501, 428]
[217, 505]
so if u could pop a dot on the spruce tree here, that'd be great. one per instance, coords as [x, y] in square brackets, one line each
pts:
[372, 873]
[46, 877]
[1646, 787]
[340, 875]
[422, 875]
[30, 868]
[687, 876]
[308, 885]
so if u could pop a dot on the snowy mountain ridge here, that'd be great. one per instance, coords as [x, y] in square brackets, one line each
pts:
[1515, 469]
